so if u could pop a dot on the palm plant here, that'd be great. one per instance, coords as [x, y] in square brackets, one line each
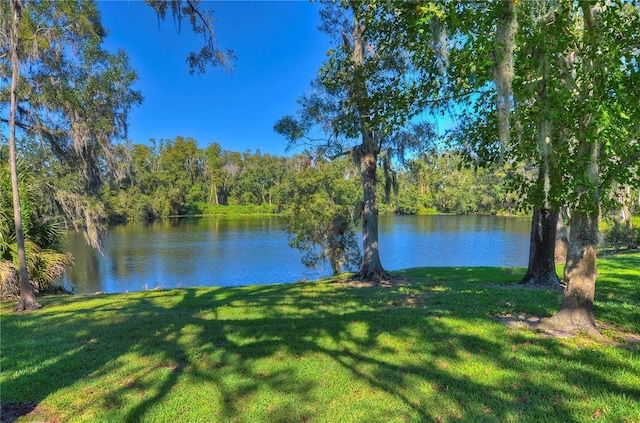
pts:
[45, 262]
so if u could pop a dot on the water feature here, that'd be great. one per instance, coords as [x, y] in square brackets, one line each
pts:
[233, 252]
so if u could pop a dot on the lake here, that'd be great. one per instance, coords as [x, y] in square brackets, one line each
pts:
[250, 251]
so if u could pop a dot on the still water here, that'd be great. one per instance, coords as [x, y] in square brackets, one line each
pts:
[233, 252]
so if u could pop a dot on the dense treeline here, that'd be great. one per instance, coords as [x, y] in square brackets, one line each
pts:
[176, 177]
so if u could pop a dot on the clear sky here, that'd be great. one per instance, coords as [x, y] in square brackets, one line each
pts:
[279, 50]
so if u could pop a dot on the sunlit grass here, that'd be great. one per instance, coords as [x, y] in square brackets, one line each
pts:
[429, 350]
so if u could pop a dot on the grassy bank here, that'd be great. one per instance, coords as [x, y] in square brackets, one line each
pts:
[429, 350]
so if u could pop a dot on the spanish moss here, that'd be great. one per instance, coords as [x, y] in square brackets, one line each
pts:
[503, 70]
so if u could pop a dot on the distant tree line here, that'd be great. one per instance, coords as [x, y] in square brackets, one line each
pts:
[175, 177]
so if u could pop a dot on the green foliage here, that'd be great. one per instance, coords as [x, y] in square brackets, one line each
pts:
[615, 233]
[201, 22]
[43, 237]
[178, 178]
[74, 97]
[432, 349]
[441, 183]
[575, 89]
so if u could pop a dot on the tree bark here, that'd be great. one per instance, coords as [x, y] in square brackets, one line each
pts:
[631, 245]
[27, 294]
[542, 266]
[576, 312]
[366, 157]
[542, 247]
[562, 239]
[580, 273]
[627, 213]
[371, 269]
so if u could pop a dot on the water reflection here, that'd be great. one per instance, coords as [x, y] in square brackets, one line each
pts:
[231, 252]
[414, 241]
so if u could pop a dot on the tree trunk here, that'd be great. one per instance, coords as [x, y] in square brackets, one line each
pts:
[542, 266]
[336, 265]
[542, 247]
[627, 213]
[27, 294]
[631, 245]
[576, 312]
[562, 239]
[213, 194]
[371, 269]
[366, 156]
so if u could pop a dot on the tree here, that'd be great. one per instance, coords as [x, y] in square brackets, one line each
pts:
[603, 78]
[577, 127]
[213, 154]
[366, 92]
[27, 294]
[73, 96]
[44, 261]
[78, 96]
[541, 268]
[201, 23]
[507, 116]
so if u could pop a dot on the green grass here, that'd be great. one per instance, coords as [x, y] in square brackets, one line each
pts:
[430, 350]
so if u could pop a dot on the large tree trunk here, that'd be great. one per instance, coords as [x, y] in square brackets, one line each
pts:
[366, 156]
[576, 312]
[371, 269]
[542, 266]
[27, 293]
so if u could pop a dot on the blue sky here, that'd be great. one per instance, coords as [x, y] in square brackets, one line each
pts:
[279, 51]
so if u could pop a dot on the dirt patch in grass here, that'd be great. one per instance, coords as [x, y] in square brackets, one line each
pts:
[534, 286]
[623, 337]
[615, 335]
[359, 283]
[10, 412]
[14, 410]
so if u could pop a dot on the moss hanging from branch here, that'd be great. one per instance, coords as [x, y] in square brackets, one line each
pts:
[503, 68]
[439, 43]
[82, 214]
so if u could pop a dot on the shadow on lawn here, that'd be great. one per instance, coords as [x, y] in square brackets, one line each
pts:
[186, 335]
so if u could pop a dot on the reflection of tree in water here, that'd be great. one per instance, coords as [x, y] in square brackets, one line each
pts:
[85, 272]
[250, 251]
[457, 223]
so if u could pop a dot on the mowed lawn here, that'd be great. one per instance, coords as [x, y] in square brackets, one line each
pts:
[430, 350]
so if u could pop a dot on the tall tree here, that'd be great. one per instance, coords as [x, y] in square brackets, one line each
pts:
[367, 91]
[603, 76]
[72, 96]
[27, 294]
[77, 96]
[213, 154]
[535, 92]
[577, 127]
[506, 109]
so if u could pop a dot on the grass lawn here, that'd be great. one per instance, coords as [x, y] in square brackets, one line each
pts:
[431, 350]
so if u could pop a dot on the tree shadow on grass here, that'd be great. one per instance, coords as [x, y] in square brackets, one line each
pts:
[298, 352]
